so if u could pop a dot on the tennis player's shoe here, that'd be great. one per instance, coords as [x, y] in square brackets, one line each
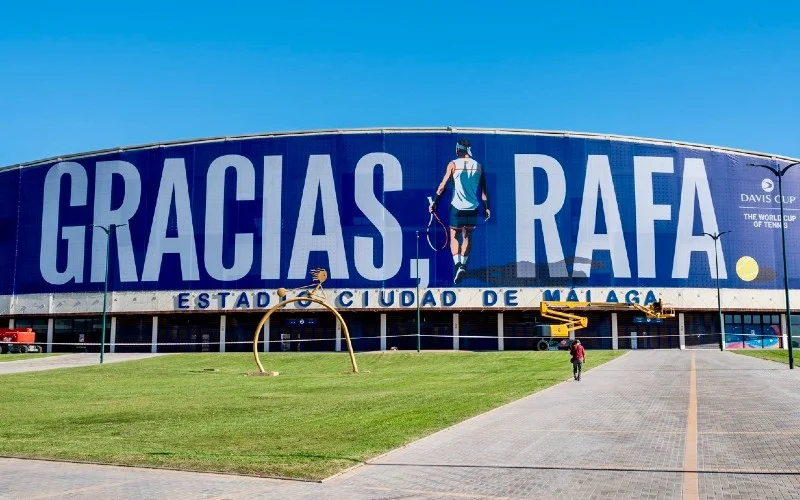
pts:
[460, 270]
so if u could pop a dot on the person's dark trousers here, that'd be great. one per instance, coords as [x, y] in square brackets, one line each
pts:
[577, 368]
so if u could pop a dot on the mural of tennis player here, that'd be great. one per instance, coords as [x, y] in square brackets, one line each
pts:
[469, 182]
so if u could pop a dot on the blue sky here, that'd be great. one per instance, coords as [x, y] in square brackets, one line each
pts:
[88, 75]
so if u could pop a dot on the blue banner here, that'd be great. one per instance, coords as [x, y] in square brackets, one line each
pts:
[513, 210]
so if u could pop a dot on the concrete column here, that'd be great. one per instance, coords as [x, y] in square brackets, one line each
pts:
[784, 332]
[11, 322]
[383, 331]
[455, 331]
[500, 340]
[50, 327]
[614, 331]
[681, 331]
[223, 324]
[266, 334]
[113, 338]
[339, 335]
[154, 336]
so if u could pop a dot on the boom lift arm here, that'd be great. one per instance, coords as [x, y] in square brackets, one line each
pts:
[572, 322]
[655, 310]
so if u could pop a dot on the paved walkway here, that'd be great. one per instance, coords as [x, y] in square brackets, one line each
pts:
[67, 361]
[652, 424]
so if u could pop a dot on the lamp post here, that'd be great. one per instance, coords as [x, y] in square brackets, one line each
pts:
[716, 237]
[418, 337]
[779, 173]
[108, 230]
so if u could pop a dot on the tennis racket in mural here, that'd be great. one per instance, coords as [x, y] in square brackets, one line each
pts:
[437, 234]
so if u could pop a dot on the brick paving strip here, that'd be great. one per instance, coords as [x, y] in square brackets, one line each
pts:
[68, 361]
[625, 431]
[690, 481]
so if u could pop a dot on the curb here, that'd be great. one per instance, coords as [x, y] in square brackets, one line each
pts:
[167, 469]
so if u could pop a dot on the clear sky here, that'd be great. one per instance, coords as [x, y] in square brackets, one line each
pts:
[78, 76]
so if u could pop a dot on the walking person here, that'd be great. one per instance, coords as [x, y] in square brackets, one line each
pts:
[578, 355]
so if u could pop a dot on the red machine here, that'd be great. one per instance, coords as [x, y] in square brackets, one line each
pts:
[18, 340]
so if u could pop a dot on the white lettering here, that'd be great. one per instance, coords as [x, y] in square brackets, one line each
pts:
[271, 218]
[74, 235]
[598, 178]
[647, 212]
[319, 183]
[104, 216]
[695, 186]
[173, 186]
[384, 221]
[215, 218]
[528, 213]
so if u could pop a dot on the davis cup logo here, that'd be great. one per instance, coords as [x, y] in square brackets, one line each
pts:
[767, 186]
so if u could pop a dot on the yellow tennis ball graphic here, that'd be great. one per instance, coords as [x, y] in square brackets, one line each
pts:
[747, 268]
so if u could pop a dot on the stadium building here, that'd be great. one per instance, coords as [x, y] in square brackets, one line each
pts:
[203, 233]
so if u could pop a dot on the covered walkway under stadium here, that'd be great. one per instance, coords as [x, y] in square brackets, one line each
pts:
[476, 330]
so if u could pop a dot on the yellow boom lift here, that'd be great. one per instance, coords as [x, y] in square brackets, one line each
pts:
[571, 321]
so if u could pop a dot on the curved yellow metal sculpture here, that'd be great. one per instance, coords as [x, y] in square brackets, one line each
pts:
[319, 275]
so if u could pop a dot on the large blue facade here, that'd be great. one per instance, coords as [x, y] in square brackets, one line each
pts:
[257, 213]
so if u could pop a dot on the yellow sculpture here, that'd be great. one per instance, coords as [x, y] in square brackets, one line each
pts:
[319, 277]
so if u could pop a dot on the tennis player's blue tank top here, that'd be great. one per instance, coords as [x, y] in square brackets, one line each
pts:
[466, 181]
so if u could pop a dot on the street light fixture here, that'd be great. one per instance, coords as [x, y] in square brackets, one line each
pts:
[418, 326]
[779, 173]
[108, 230]
[716, 237]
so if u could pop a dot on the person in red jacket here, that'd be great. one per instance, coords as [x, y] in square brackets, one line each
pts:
[578, 355]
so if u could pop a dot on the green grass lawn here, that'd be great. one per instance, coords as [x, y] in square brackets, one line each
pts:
[201, 411]
[779, 355]
[19, 357]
